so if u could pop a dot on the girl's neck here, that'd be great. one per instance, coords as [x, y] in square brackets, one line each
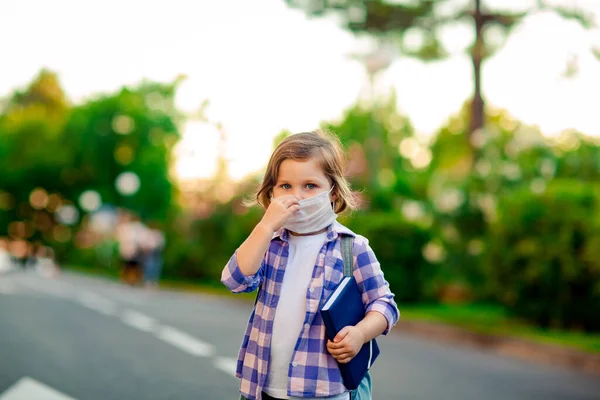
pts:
[309, 233]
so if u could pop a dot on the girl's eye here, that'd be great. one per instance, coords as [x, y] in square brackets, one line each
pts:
[286, 186]
[310, 186]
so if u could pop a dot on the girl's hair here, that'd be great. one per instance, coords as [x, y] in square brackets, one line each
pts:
[327, 149]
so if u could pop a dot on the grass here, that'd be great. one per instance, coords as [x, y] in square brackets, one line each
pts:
[493, 320]
[480, 318]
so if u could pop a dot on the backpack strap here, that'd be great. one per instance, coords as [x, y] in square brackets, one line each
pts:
[347, 244]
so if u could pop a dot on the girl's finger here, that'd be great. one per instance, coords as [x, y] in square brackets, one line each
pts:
[334, 345]
[338, 352]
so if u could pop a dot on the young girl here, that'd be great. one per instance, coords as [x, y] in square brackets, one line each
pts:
[294, 256]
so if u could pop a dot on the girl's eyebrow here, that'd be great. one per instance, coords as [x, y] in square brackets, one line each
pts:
[310, 179]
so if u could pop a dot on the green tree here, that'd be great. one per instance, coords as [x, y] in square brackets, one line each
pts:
[372, 138]
[53, 151]
[132, 131]
[31, 155]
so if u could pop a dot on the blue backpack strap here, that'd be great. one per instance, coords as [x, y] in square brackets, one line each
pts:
[347, 244]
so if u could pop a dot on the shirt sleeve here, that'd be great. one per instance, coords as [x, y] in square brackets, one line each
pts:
[235, 280]
[377, 295]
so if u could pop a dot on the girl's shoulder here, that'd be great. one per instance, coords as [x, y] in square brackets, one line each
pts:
[360, 242]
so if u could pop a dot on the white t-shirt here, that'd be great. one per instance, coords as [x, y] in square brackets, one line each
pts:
[291, 311]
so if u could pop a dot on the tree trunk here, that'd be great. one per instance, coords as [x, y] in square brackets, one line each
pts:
[477, 54]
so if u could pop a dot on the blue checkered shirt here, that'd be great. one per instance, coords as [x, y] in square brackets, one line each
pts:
[313, 372]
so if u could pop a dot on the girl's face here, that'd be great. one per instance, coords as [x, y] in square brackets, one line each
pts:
[301, 179]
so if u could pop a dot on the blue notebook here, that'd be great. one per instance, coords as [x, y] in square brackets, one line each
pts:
[345, 307]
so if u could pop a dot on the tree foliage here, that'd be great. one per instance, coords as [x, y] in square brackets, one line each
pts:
[63, 150]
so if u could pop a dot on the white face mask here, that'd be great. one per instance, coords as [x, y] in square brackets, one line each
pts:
[315, 214]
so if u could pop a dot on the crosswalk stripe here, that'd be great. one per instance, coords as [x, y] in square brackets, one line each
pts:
[28, 389]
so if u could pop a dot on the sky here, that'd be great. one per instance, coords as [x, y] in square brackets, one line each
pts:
[264, 67]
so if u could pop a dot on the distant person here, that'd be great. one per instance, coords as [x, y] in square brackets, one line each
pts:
[129, 234]
[154, 245]
[6, 261]
[19, 250]
[45, 264]
[32, 255]
[293, 256]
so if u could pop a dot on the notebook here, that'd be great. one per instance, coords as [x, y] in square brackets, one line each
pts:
[345, 307]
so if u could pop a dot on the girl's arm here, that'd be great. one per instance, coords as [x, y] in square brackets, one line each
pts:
[382, 312]
[372, 325]
[377, 295]
[250, 254]
[348, 342]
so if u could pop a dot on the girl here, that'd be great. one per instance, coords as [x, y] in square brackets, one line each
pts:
[293, 255]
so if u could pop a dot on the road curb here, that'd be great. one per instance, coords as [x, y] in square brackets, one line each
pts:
[520, 348]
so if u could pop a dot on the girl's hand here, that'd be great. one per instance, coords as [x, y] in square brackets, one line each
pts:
[346, 344]
[280, 209]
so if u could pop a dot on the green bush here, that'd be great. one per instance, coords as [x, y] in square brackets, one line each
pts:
[200, 249]
[398, 247]
[544, 255]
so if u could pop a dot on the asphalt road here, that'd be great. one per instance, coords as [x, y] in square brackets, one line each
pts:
[85, 338]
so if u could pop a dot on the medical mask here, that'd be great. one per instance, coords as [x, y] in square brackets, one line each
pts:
[315, 214]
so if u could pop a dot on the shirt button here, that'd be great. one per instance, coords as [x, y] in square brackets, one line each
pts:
[312, 289]
[294, 364]
[321, 256]
[306, 326]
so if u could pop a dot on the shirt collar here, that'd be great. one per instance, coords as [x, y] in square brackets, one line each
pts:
[333, 231]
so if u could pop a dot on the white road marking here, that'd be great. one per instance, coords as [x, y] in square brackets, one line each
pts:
[97, 303]
[138, 320]
[185, 342]
[226, 364]
[29, 389]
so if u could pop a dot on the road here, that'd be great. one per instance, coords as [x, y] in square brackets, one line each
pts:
[84, 338]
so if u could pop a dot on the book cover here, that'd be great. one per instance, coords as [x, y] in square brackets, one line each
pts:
[345, 307]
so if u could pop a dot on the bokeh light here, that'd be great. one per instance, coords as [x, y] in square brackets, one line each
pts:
[127, 183]
[123, 124]
[38, 198]
[90, 200]
[67, 215]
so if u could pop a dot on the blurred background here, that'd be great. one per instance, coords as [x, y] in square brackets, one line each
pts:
[131, 132]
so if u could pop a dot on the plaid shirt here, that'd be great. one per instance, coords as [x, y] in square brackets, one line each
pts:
[313, 372]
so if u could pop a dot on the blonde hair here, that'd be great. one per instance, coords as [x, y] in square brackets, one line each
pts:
[327, 149]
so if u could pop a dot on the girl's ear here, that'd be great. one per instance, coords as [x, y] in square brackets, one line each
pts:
[333, 195]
